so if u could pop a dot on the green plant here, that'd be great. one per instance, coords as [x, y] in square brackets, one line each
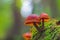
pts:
[43, 27]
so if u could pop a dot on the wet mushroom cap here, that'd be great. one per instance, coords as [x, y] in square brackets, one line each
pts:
[44, 16]
[32, 18]
[27, 35]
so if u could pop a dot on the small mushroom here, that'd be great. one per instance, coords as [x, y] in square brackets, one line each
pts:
[27, 36]
[44, 18]
[33, 20]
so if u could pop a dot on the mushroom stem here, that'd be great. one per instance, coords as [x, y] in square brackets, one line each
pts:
[42, 24]
[38, 29]
[27, 39]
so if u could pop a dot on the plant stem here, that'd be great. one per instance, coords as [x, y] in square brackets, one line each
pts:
[38, 29]
[42, 24]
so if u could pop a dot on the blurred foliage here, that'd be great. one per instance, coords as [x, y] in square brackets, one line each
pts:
[6, 13]
[47, 7]
[58, 7]
[52, 31]
[18, 3]
[6, 18]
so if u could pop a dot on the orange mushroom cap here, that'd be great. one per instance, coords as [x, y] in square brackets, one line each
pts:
[32, 18]
[27, 35]
[44, 16]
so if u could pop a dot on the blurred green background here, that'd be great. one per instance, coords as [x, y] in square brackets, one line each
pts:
[14, 12]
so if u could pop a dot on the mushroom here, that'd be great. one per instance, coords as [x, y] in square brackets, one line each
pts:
[44, 18]
[27, 36]
[33, 20]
